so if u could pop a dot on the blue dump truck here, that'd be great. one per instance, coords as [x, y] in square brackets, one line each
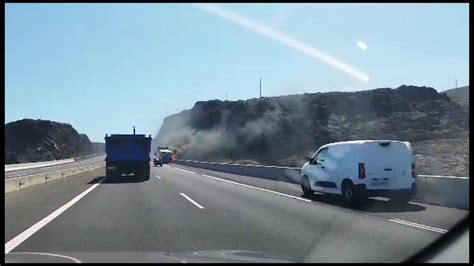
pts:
[126, 154]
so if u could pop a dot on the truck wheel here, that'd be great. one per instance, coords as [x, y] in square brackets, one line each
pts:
[305, 186]
[109, 173]
[146, 172]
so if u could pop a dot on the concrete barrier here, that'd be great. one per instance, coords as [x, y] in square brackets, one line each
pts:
[23, 166]
[16, 184]
[443, 190]
[285, 174]
[449, 191]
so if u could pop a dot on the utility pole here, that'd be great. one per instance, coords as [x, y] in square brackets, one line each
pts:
[133, 130]
[260, 88]
[456, 82]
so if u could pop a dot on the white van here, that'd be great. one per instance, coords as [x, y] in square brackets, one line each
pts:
[362, 168]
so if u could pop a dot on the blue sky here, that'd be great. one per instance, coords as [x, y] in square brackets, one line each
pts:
[106, 67]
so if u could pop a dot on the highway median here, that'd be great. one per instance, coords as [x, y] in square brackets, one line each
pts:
[19, 183]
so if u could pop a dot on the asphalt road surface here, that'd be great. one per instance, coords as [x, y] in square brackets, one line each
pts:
[46, 169]
[185, 214]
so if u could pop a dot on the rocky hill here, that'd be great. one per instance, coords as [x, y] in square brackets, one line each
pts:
[283, 130]
[31, 140]
[459, 95]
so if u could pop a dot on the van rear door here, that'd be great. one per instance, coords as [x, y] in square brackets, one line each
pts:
[387, 164]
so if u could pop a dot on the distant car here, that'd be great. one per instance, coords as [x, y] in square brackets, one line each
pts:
[363, 168]
[165, 156]
[157, 161]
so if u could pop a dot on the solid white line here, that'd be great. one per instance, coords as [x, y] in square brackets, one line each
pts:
[49, 254]
[191, 200]
[257, 188]
[421, 226]
[158, 176]
[184, 170]
[34, 228]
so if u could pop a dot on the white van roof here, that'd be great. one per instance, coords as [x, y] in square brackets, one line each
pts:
[360, 142]
[165, 151]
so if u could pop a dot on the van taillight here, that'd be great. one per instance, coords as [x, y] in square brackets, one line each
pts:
[413, 170]
[362, 171]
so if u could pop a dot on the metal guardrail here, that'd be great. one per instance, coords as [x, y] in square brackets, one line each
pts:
[299, 168]
[277, 173]
[24, 166]
[444, 176]
[18, 183]
[246, 165]
[58, 171]
[89, 156]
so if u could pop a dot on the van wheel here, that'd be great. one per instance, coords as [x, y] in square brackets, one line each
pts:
[305, 186]
[349, 193]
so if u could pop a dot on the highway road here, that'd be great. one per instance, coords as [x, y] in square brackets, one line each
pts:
[45, 169]
[185, 214]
